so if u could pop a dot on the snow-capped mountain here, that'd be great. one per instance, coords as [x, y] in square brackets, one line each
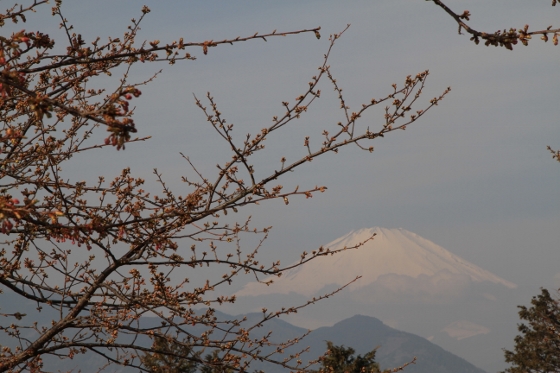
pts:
[409, 283]
[395, 258]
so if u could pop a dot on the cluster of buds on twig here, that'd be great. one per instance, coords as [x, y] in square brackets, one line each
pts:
[11, 136]
[12, 212]
[11, 47]
[41, 106]
[9, 210]
[10, 76]
[544, 36]
[120, 129]
[505, 39]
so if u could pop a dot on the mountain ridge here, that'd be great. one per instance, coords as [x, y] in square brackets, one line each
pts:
[394, 347]
[365, 333]
[362, 333]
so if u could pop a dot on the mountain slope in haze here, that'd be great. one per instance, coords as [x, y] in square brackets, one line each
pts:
[395, 252]
[363, 334]
[409, 283]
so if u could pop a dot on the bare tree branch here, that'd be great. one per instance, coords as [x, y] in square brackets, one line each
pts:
[504, 38]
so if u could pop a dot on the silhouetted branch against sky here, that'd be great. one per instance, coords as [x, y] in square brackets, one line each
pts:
[502, 38]
[105, 254]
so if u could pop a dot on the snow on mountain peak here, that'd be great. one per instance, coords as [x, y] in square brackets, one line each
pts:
[392, 251]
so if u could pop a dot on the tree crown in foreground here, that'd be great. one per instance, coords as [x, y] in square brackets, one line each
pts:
[98, 258]
[537, 348]
[340, 359]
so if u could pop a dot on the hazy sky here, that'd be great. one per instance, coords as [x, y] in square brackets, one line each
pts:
[473, 175]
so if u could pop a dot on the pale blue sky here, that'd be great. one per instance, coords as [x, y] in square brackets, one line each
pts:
[474, 175]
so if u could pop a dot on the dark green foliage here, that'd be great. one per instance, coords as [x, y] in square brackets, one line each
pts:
[170, 357]
[537, 349]
[213, 363]
[340, 359]
[174, 357]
